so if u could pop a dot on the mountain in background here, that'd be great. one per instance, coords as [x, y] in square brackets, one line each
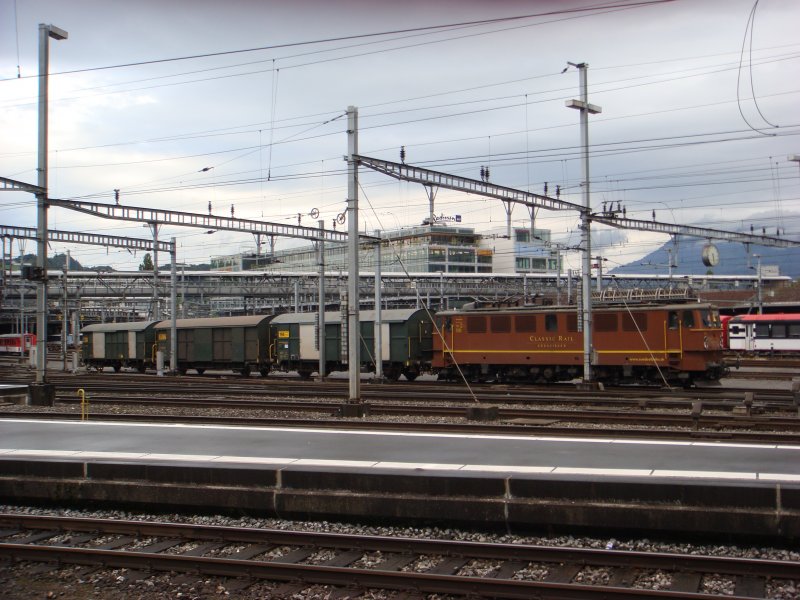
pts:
[733, 260]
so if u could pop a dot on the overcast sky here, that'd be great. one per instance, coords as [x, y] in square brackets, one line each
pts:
[699, 112]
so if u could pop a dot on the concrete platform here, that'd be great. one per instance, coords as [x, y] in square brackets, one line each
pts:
[509, 482]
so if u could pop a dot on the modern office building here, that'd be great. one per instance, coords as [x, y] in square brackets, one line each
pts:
[426, 248]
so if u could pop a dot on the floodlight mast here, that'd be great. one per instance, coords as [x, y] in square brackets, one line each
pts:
[586, 242]
[45, 33]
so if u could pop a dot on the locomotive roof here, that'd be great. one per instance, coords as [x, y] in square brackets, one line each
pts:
[539, 309]
[215, 322]
[126, 326]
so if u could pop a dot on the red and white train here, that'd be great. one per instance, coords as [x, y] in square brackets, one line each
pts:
[763, 334]
[17, 344]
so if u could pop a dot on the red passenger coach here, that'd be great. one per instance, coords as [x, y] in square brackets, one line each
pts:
[17, 344]
[645, 343]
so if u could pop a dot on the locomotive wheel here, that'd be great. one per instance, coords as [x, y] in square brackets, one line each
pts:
[264, 372]
[117, 367]
[304, 374]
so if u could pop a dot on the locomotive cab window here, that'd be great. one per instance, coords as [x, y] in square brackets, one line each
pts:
[688, 318]
[551, 322]
[710, 318]
[672, 319]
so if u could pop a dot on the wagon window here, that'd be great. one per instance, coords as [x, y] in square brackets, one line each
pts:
[501, 324]
[572, 322]
[634, 321]
[779, 330]
[551, 322]
[672, 319]
[762, 330]
[527, 323]
[476, 324]
[688, 318]
[605, 322]
[794, 330]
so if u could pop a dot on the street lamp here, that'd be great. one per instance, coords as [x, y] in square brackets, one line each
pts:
[45, 33]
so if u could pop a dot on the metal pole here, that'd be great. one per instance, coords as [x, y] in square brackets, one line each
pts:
[321, 260]
[378, 321]
[353, 331]
[599, 273]
[64, 318]
[586, 292]
[760, 296]
[156, 300]
[173, 308]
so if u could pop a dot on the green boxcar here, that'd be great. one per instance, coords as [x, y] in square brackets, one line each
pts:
[119, 345]
[406, 344]
[225, 343]
[295, 346]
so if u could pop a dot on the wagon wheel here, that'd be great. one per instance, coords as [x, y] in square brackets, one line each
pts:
[264, 371]
[411, 374]
[200, 371]
[245, 371]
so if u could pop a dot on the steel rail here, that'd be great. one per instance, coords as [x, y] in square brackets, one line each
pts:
[515, 556]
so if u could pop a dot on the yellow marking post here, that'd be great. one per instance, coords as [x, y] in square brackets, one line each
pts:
[84, 404]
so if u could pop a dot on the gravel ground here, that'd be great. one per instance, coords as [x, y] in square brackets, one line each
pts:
[33, 580]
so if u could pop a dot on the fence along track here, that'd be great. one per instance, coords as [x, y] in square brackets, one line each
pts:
[339, 559]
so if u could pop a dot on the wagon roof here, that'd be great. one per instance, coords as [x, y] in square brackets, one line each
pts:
[128, 326]
[391, 315]
[537, 309]
[247, 321]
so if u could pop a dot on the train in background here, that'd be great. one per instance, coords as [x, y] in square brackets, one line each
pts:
[17, 344]
[675, 343]
[762, 334]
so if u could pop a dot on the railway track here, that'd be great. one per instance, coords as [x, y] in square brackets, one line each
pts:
[296, 560]
[427, 391]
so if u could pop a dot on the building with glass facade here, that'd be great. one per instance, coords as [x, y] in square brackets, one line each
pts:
[426, 248]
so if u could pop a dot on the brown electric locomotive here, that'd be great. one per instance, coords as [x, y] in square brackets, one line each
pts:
[641, 343]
